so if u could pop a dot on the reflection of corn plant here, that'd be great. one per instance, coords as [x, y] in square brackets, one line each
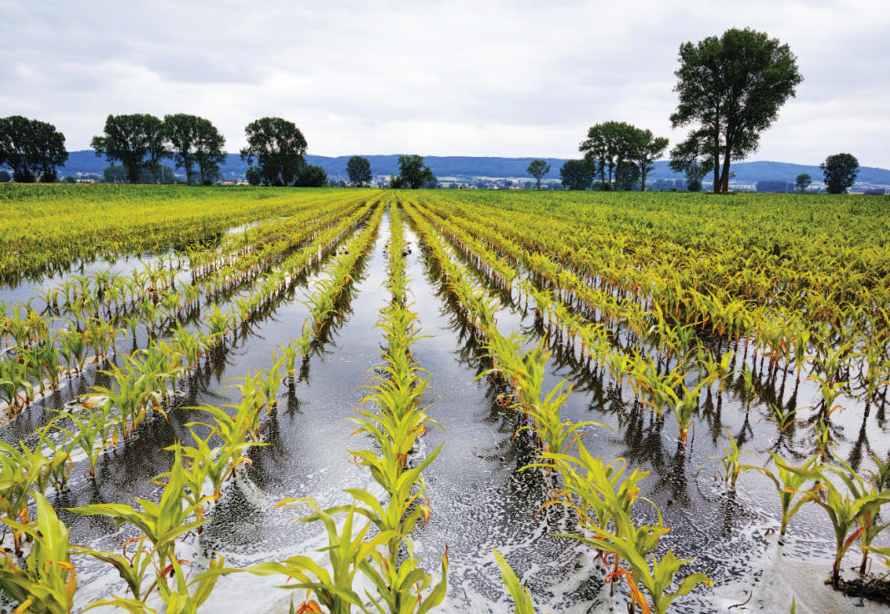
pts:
[47, 581]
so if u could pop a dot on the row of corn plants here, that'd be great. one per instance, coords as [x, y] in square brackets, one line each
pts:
[786, 338]
[27, 370]
[600, 494]
[140, 388]
[852, 502]
[194, 482]
[379, 554]
[47, 228]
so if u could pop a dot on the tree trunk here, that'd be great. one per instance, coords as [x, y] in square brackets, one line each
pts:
[726, 160]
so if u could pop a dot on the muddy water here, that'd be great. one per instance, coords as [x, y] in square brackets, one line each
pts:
[480, 500]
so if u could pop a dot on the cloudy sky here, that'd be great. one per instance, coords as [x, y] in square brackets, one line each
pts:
[478, 77]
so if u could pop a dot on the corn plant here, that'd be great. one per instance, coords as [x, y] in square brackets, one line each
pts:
[47, 581]
[853, 511]
[348, 552]
[732, 461]
[522, 599]
[788, 482]
[161, 523]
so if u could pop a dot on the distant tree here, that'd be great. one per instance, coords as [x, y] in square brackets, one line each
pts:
[802, 182]
[537, 169]
[311, 177]
[645, 149]
[5, 177]
[688, 159]
[209, 152]
[731, 88]
[839, 171]
[31, 148]
[359, 171]
[195, 141]
[395, 182]
[136, 141]
[413, 173]
[253, 175]
[608, 145]
[162, 174]
[627, 176]
[115, 174]
[576, 175]
[69, 179]
[278, 146]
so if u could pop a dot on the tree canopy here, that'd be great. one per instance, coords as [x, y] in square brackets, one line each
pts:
[278, 146]
[621, 154]
[137, 141]
[839, 172]
[730, 90]
[31, 148]
[537, 169]
[195, 141]
[413, 173]
[576, 175]
[359, 171]
[311, 176]
[802, 182]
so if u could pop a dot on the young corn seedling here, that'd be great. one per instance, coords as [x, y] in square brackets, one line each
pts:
[788, 482]
[731, 461]
[853, 513]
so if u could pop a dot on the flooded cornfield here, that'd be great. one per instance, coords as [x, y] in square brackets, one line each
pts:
[363, 404]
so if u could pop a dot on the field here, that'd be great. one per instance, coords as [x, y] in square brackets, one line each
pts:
[675, 401]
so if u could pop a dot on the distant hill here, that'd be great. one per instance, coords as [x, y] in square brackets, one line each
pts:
[495, 167]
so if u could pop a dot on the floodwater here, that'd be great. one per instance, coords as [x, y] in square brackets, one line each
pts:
[480, 497]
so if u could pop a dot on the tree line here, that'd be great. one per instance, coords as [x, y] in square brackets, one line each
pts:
[730, 90]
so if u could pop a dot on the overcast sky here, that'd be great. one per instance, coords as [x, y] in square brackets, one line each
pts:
[502, 78]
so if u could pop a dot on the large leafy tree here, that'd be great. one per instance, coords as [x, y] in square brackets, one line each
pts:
[359, 171]
[413, 173]
[137, 141]
[839, 172]
[576, 174]
[730, 90]
[195, 141]
[31, 148]
[278, 146]
[537, 169]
